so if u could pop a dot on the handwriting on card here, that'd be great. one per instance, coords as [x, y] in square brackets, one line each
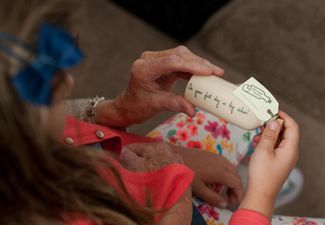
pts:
[219, 102]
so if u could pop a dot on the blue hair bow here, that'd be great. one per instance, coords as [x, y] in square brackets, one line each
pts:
[55, 51]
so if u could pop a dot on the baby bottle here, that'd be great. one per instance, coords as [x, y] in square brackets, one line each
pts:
[215, 95]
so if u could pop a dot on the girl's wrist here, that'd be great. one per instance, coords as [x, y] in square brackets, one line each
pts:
[258, 201]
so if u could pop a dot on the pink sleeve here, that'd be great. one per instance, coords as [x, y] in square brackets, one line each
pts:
[248, 217]
[164, 186]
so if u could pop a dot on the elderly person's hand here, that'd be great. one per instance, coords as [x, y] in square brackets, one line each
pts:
[146, 157]
[149, 92]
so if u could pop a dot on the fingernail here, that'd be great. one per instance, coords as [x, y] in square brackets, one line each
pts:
[273, 125]
[222, 205]
[281, 121]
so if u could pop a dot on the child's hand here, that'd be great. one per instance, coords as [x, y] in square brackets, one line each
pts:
[212, 170]
[275, 156]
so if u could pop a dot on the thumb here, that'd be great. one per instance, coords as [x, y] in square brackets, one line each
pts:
[177, 103]
[270, 135]
[173, 103]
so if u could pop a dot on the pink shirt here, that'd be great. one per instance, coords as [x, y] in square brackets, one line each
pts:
[248, 217]
[166, 185]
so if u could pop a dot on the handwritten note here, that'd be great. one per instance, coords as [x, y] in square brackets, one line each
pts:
[217, 100]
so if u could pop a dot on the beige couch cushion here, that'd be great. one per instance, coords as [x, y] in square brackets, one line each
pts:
[111, 39]
[280, 42]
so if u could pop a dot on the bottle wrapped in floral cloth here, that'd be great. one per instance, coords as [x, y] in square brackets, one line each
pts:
[247, 106]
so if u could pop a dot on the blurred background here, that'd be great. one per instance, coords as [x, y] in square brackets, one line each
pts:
[280, 42]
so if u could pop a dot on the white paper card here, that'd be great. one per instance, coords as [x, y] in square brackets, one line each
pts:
[258, 99]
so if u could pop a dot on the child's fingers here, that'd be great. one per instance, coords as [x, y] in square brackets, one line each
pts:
[210, 197]
[256, 139]
[291, 132]
[233, 199]
[288, 147]
[233, 182]
[269, 136]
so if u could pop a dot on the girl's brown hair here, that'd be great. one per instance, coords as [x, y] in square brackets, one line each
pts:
[42, 182]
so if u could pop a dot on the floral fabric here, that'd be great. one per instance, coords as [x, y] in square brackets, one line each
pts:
[282, 220]
[212, 134]
[208, 133]
[215, 135]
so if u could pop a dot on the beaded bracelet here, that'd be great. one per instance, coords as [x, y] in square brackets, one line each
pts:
[90, 110]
